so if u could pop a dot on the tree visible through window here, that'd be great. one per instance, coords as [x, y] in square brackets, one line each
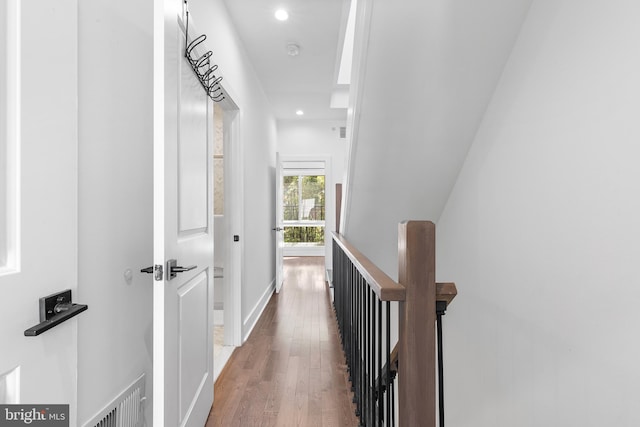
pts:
[304, 210]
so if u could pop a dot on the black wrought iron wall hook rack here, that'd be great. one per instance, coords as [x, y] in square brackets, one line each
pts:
[202, 66]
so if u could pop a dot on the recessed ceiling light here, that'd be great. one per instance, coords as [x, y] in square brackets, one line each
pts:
[300, 113]
[282, 15]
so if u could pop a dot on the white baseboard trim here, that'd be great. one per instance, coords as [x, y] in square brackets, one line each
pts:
[302, 251]
[221, 360]
[252, 318]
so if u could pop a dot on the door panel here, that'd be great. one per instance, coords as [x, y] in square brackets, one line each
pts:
[183, 230]
[39, 147]
[279, 229]
[7, 139]
[193, 319]
[192, 154]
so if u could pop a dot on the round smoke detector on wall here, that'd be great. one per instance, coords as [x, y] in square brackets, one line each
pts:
[293, 49]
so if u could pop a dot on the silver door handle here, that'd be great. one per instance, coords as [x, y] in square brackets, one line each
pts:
[173, 268]
[180, 269]
[277, 229]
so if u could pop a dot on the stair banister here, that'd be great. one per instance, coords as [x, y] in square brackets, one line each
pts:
[360, 286]
[416, 344]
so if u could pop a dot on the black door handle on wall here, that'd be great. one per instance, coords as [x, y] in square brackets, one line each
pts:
[55, 309]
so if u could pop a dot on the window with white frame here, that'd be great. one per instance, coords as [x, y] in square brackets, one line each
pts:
[303, 209]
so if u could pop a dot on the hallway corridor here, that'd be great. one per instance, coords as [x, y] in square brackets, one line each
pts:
[291, 370]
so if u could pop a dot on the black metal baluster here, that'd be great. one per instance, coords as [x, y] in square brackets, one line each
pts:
[362, 287]
[350, 326]
[379, 370]
[388, 373]
[369, 353]
[341, 304]
[441, 307]
[356, 361]
[343, 282]
[347, 315]
[343, 297]
[393, 399]
[373, 363]
[338, 289]
[354, 332]
[365, 350]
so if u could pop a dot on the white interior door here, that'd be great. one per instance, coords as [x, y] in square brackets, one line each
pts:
[279, 228]
[183, 231]
[38, 198]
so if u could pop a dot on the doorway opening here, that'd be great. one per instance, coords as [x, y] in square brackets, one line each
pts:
[303, 212]
[304, 206]
[220, 235]
[227, 207]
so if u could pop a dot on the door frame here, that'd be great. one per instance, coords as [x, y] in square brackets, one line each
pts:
[329, 219]
[233, 216]
[167, 15]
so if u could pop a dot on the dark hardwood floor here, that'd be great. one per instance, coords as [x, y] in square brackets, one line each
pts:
[291, 371]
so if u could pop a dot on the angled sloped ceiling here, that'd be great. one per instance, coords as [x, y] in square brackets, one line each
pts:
[430, 70]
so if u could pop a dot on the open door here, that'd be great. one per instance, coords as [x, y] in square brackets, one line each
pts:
[183, 231]
[38, 200]
[279, 228]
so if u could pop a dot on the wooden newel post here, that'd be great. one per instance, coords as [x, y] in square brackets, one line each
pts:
[416, 345]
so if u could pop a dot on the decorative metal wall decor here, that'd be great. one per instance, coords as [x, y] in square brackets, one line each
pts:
[202, 66]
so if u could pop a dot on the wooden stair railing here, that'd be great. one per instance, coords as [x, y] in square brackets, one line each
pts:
[363, 296]
[445, 292]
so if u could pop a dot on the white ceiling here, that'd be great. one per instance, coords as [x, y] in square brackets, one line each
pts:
[303, 82]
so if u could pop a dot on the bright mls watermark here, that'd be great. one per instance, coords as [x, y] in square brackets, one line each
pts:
[34, 415]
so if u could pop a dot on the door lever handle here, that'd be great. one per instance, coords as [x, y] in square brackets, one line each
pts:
[180, 269]
[277, 229]
[173, 268]
[147, 270]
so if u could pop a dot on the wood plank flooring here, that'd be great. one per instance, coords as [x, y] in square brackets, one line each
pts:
[291, 371]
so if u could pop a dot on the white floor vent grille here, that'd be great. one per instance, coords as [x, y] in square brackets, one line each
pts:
[126, 410]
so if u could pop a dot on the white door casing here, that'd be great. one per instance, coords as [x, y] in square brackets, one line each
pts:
[183, 230]
[234, 219]
[287, 165]
[279, 228]
[39, 198]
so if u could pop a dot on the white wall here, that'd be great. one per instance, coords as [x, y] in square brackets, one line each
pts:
[317, 138]
[431, 68]
[541, 231]
[115, 199]
[258, 139]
